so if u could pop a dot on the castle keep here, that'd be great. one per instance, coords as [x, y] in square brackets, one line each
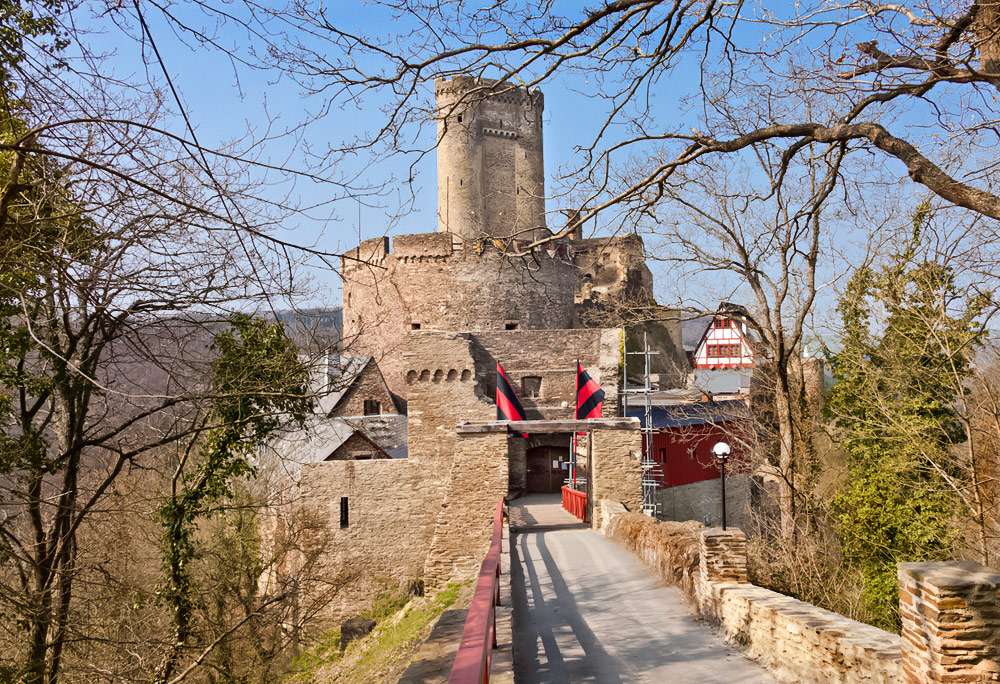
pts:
[437, 311]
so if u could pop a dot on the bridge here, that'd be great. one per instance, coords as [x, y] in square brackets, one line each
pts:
[645, 601]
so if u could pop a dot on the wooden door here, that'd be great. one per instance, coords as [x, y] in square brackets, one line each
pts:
[545, 471]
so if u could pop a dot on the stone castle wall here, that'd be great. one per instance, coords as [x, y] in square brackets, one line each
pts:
[424, 282]
[443, 495]
[357, 562]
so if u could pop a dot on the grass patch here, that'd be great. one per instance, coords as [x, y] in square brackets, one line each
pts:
[384, 654]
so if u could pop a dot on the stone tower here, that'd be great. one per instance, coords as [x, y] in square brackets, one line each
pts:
[491, 177]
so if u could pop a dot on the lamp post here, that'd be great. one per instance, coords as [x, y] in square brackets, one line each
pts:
[722, 451]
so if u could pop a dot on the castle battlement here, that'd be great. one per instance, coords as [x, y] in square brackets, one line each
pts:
[503, 92]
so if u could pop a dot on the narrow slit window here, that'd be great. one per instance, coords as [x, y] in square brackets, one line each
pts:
[459, 118]
[344, 520]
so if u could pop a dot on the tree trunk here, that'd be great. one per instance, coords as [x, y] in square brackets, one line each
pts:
[786, 451]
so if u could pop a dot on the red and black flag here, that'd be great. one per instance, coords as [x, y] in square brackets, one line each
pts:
[508, 405]
[589, 395]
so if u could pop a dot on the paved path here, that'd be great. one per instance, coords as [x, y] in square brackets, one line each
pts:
[541, 512]
[586, 610]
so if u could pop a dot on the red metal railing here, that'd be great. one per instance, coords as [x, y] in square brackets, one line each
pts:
[575, 502]
[479, 638]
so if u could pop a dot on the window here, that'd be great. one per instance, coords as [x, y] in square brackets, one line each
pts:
[663, 455]
[531, 386]
[344, 521]
[459, 118]
[511, 325]
[372, 407]
[720, 323]
[414, 326]
[724, 351]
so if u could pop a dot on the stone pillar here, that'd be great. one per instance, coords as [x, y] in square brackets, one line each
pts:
[951, 622]
[615, 470]
[723, 559]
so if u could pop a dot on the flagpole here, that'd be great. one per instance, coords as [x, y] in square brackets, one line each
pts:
[576, 410]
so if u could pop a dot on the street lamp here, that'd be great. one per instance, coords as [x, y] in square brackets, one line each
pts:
[722, 451]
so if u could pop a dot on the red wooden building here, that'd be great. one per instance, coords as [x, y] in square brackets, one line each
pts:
[685, 433]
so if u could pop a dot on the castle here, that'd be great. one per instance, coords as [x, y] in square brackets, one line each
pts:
[437, 311]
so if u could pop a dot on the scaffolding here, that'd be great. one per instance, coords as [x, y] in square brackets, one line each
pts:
[650, 470]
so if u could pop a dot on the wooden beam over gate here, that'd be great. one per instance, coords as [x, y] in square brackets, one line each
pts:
[547, 426]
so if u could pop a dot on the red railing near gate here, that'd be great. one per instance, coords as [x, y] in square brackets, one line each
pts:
[479, 638]
[575, 502]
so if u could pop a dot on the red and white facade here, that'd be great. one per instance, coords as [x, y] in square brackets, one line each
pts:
[724, 345]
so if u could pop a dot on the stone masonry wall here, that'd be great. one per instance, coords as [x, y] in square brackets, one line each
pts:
[951, 622]
[356, 560]
[702, 501]
[477, 481]
[437, 287]
[491, 176]
[616, 469]
[798, 642]
[550, 355]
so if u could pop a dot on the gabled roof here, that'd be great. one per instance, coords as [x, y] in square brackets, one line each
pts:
[320, 437]
[315, 441]
[728, 311]
[333, 376]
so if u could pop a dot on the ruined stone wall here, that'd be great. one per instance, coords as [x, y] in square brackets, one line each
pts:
[369, 385]
[616, 470]
[614, 288]
[491, 175]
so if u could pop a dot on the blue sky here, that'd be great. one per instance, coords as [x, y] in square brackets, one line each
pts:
[223, 101]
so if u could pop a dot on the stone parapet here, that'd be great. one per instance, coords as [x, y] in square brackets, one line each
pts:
[799, 642]
[670, 548]
[951, 622]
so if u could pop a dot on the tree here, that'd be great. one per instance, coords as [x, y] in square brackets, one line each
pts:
[108, 293]
[258, 383]
[909, 335]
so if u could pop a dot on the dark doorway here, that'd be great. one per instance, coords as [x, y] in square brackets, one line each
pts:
[546, 472]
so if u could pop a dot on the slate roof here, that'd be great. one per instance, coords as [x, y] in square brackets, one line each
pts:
[693, 413]
[331, 380]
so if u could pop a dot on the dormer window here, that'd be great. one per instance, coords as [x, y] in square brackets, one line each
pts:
[721, 323]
